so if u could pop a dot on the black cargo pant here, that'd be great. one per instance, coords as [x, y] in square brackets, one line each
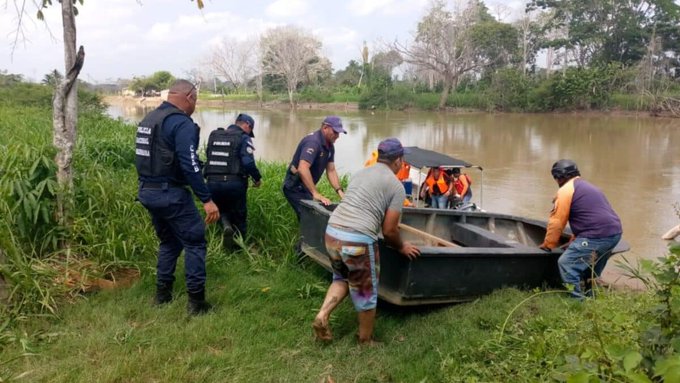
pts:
[230, 198]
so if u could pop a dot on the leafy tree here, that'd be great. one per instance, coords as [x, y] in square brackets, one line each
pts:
[9, 78]
[156, 82]
[350, 75]
[387, 61]
[161, 80]
[497, 44]
[52, 78]
[605, 31]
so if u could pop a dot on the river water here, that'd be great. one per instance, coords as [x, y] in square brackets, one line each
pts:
[634, 160]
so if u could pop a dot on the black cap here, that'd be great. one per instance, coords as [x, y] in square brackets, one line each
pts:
[246, 118]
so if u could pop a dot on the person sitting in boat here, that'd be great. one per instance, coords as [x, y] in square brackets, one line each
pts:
[372, 206]
[438, 186]
[461, 185]
[403, 175]
[596, 227]
[371, 161]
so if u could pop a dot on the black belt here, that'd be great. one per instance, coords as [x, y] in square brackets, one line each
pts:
[159, 185]
[230, 177]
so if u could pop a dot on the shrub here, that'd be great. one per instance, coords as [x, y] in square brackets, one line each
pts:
[315, 94]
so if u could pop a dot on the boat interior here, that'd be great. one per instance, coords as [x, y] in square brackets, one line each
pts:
[428, 227]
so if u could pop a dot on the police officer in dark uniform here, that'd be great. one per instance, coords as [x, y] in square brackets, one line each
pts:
[167, 162]
[230, 163]
[314, 154]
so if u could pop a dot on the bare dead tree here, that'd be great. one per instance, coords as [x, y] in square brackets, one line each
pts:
[501, 11]
[443, 44]
[364, 62]
[525, 26]
[288, 52]
[234, 62]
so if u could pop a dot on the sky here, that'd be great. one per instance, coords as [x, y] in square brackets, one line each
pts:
[128, 38]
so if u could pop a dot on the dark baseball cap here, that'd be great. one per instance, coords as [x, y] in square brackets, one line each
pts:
[391, 147]
[246, 118]
[335, 123]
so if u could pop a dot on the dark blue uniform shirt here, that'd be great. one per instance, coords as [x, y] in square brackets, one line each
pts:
[315, 150]
[246, 155]
[181, 135]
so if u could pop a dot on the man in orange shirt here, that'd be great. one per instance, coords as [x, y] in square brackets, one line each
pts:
[596, 227]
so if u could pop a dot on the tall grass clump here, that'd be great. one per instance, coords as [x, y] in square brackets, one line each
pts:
[109, 225]
[109, 229]
[272, 224]
[27, 179]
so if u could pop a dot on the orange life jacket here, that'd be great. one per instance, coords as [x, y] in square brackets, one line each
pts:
[372, 161]
[404, 171]
[441, 183]
[462, 184]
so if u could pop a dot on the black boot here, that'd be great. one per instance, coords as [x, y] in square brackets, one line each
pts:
[227, 234]
[163, 293]
[197, 304]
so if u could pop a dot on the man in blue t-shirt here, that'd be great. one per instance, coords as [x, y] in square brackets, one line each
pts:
[314, 155]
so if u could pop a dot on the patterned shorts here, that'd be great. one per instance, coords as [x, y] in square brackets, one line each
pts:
[355, 260]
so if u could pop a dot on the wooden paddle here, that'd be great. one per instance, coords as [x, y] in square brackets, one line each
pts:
[426, 235]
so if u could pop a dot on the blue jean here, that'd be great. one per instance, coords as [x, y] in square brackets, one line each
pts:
[585, 258]
[440, 201]
[178, 226]
[467, 197]
[230, 198]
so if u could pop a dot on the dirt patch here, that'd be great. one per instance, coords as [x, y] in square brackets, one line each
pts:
[85, 276]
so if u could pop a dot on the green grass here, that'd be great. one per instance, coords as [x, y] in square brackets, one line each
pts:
[265, 301]
[260, 332]
[346, 96]
[630, 102]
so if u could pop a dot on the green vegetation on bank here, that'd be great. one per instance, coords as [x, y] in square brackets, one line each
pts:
[507, 90]
[557, 56]
[265, 300]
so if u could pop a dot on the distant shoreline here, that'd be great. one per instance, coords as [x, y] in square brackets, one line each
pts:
[354, 106]
[152, 101]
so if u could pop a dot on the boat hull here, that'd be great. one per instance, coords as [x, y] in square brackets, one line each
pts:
[486, 251]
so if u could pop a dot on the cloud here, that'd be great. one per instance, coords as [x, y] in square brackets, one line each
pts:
[340, 36]
[405, 7]
[160, 32]
[287, 8]
[385, 7]
[367, 7]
